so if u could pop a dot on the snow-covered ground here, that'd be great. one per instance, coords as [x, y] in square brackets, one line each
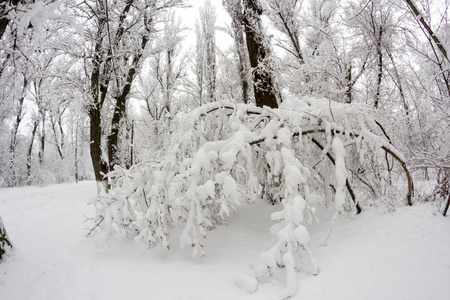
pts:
[399, 255]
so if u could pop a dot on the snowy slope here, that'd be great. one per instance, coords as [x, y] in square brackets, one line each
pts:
[400, 255]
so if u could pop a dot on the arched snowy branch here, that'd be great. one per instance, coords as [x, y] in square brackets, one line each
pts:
[225, 153]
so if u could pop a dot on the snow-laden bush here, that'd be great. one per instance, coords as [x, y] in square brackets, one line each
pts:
[308, 152]
[5, 244]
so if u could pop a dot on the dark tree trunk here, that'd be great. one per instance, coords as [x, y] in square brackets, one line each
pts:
[58, 143]
[119, 109]
[42, 140]
[99, 88]
[263, 82]
[447, 206]
[349, 86]
[76, 153]
[30, 151]
[99, 165]
[380, 67]
[132, 145]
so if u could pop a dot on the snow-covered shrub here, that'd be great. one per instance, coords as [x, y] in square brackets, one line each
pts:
[225, 154]
[5, 244]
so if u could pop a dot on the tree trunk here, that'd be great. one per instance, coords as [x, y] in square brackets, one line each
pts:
[99, 89]
[132, 145]
[210, 47]
[263, 82]
[76, 153]
[99, 165]
[42, 148]
[30, 151]
[349, 86]
[58, 144]
[430, 32]
[119, 109]
[5, 244]
[199, 64]
[380, 67]
[238, 35]
[447, 205]
[169, 79]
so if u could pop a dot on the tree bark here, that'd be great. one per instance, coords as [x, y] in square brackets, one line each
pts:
[380, 66]
[98, 163]
[42, 140]
[99, 88]
[30, 151]
[263, 81]
[76, 153]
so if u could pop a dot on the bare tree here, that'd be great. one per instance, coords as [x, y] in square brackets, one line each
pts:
[119, 41]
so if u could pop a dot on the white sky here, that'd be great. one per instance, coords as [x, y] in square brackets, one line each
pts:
[190, 15]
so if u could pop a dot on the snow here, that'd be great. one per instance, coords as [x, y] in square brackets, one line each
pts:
[375, 255]
[248, 283]
[341, 173]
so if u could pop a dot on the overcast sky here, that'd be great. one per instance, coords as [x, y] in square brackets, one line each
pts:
[190, 15]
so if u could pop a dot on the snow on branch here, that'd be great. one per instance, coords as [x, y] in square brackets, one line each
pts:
[226, 154]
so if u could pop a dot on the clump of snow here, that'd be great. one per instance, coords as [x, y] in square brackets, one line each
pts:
[341, 173]
[248, 283]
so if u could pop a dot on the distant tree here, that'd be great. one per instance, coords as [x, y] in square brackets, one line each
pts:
[208, 18]
[157, 88]
[119, 36]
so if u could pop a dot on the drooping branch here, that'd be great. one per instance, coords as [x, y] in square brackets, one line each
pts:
[356, 135]
[318, 129]
[347, 183]
[405, 168]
